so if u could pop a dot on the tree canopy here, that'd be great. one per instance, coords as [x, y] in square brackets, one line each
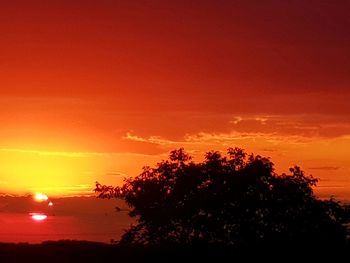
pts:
[232, 199]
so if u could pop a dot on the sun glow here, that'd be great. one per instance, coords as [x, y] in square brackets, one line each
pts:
[51, 172]
[40, 197]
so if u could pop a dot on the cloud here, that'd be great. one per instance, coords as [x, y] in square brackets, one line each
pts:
[325, 168]
[306, 125]
[68, 205]
[236, 120]
[74, 190]
[205, 139]
[230, 129]
[151, 139]
[119, 174]
[268, 150]
[331, 186]
[54, 153]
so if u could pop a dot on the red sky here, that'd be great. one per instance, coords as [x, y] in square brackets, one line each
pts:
[93, 90]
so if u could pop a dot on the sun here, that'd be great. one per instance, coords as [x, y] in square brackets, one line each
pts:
[40, 197]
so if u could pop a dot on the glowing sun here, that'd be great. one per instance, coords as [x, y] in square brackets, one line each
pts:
[40, 197]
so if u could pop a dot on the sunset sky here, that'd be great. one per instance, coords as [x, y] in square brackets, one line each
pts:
[94, 90]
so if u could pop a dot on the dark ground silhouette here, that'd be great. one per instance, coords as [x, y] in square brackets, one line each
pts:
[84, 251]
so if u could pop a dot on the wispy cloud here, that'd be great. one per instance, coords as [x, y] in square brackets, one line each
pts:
[205, 138]
[236, 120]
[120, 174]
[306, 125]
[325, 168]
[263, 131]
[151, 139]
[331, 186]
[53, 153]
[81, 189]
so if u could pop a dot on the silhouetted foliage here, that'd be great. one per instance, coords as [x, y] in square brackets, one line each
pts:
[233, 199]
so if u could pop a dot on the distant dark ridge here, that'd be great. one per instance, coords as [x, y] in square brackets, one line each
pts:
[85, 251]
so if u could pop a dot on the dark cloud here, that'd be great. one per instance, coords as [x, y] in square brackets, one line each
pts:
[71, 206]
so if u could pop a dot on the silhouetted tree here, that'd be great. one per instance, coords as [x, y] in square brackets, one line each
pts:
[233, 199]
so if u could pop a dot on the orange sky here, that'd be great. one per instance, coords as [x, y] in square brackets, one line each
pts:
[94, 90]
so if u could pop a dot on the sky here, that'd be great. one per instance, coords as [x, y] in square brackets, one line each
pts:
[94, 90]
